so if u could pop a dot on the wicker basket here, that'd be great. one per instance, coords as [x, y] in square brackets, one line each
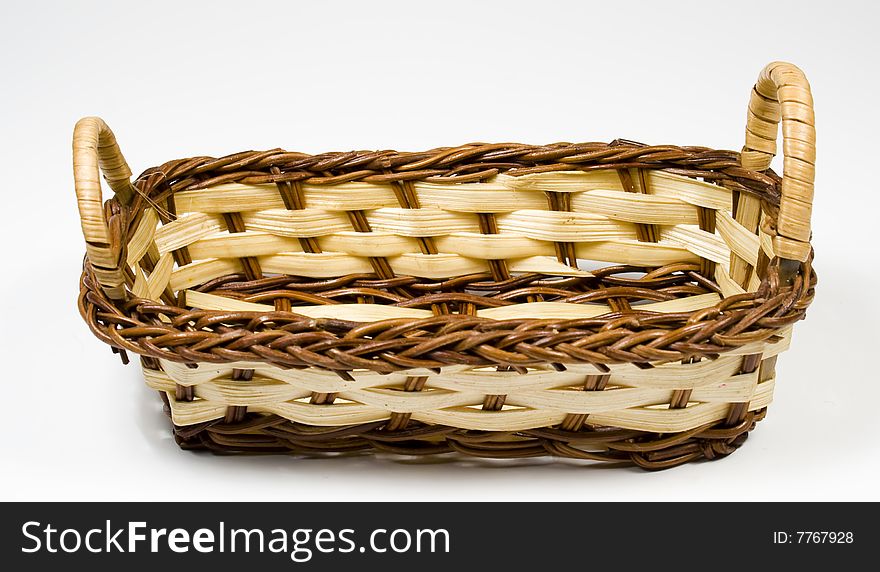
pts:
[448, 300]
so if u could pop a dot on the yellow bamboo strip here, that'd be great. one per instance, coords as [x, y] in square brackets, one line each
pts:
[699, 242]
[203, 271]
[741, 241]
[635, 207]
[748, 215]
[237, 245]
[559, 226]
[369, 243]
[493, 246]
[139, 288]
[375, 312]
[729, 287]
[510, 418]
[185, 230]
[297, 223]
[563, 181]
[421, 222]
[475, 198]
[160, 276]
[635, 252]
[142, 236]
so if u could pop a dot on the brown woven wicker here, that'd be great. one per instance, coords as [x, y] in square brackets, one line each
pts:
[423, 303]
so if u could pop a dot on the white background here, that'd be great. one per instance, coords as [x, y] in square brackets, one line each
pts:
[176, 79]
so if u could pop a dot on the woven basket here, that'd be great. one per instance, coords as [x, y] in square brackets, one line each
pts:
[449, 300]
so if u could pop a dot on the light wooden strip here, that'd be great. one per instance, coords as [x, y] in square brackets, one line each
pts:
[315, 265]
[493, 246]
[503, 194]
[326, 416]
[676, 375]
[698, 241]
[754, 282]
[258, 243]
[266, 391]
[588, 402]
[142, 236]
[330, 264]
[748, 215]
[689, 190]
[353, 312]
[479, 420]
[565, 311]
[766, 244]
[537, 224]
[237, 245]
[462, 253]
[186, 230]
[677, 420]
[421, 222]
[564, 181]
[489, 197]
[635, 252]
[660, 183]
[160, 276]
[438, 266]
[302, 223]
[687, 304]
[368, 243]
[202, 271]
[488, 380]
[192, 412]
[256, 391]
[557, 226]
[236, 197]
[635, 207]
[785, 247]
[658, 419]
[728, 286]
[352, 196]
[312, 379]
[545, 265]
[743, 243]
[139, 288]
[738, 388]
[109, 278]
[375, 312]
[411, 401]
[549, 310]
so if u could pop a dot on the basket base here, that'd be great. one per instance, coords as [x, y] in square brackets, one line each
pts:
[272, 434]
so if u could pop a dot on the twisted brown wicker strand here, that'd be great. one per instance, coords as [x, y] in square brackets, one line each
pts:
[287, 339]
[271, 434]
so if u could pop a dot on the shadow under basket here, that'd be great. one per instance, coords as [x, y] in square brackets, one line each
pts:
[612, 302]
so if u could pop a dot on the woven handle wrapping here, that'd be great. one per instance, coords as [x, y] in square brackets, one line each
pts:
[95, 150]
[782, 92]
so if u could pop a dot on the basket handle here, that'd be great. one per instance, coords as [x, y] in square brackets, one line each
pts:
[95, 150]
[782, 92]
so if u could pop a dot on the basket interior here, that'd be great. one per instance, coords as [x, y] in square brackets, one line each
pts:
[492, 231]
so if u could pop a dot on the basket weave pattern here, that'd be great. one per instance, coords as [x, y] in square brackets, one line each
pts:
[429, 302]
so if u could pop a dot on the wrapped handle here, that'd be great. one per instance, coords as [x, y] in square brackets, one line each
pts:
[95, 150]
[783, 93]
